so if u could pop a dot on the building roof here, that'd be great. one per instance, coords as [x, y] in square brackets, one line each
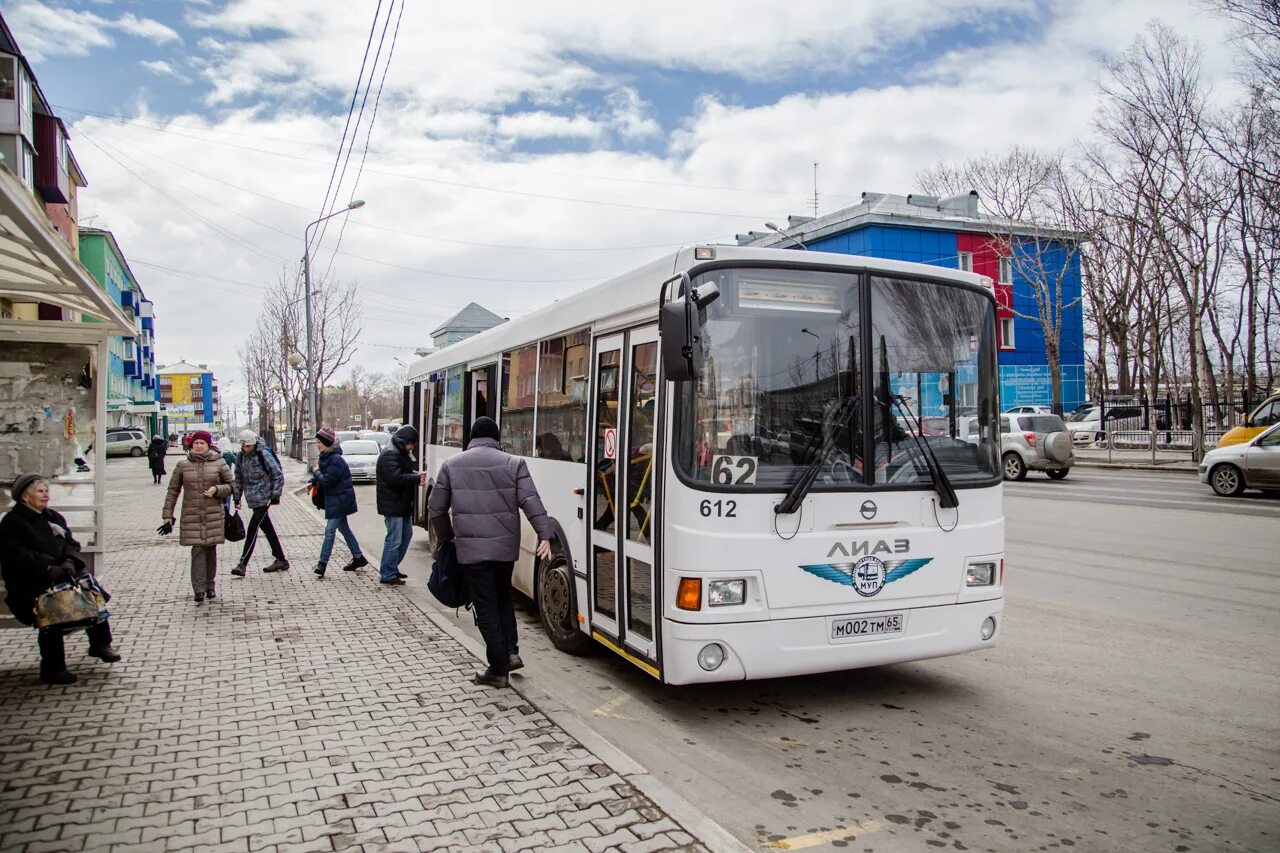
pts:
[183, 368]
[37, 265]
[115, 247]
[473, 318]
[954, 213]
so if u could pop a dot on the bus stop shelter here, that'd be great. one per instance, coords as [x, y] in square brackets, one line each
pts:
[53, 390]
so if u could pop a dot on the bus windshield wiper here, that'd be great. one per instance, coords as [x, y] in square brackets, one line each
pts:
[941, 482]
[800, 488]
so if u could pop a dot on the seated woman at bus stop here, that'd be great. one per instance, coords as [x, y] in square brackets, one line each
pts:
[38, 551]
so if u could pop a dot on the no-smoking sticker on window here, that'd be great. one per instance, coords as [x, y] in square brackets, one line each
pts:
[610, 443]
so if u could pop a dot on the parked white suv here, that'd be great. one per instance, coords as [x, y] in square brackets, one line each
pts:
[127, 442]
[1035, 443]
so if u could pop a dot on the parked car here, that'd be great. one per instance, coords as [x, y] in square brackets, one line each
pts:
[1086, 427]
[390, 429]
[1246, 465]
[375, 435]
[347, 435]
[1028, 410]
[1255, 423]
[1035, 443]
[362, 458]
[127, 442]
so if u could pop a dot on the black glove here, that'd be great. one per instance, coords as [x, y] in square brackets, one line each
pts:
[61, 574]
[166, 528]
[275, 501]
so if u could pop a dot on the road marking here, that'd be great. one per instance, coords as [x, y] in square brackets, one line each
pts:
[814, 839]
[608, 708]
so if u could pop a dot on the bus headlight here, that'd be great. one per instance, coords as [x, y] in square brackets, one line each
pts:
[980, 574]
[711, 656]
[722, 593]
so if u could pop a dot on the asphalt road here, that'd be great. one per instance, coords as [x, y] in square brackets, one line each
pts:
[1131, 705]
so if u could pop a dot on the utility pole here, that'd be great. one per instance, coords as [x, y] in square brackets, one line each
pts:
[312, 426]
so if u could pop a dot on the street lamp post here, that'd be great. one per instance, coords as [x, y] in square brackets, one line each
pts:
[306, 278]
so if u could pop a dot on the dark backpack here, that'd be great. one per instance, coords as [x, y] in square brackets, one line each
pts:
[447, 583]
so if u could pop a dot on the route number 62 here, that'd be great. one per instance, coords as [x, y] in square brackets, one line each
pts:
[733, 470]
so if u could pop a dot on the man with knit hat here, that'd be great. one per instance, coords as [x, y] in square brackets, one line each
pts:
[474, 503]
[37, 551]
[259, 483]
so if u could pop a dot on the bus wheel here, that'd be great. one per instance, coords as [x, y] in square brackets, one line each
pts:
[556, 607]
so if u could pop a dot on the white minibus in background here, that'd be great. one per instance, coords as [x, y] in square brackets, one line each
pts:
[759, 462]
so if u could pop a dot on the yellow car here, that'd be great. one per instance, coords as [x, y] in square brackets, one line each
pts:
[1259, 419]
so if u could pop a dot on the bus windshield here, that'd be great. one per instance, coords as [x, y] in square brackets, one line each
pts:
[784, 383]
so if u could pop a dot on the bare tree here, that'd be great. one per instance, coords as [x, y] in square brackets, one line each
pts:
[1033, 224]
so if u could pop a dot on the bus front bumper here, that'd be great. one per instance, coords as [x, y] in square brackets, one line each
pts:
[784, 647]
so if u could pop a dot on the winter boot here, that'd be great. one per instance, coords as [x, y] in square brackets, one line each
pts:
[278, 566]
[358, 563]
[239, 570]
[320, 567]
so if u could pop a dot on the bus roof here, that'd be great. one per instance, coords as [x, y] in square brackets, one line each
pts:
[613, 302]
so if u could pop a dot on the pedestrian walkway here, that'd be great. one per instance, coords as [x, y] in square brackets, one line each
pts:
[291, 713]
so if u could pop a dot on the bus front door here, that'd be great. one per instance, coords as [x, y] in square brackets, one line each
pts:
[622, 577]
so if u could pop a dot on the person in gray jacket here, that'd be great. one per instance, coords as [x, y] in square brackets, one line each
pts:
[484, 488]
[259, 483]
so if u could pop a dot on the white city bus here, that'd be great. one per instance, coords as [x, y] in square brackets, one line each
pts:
[759, 462]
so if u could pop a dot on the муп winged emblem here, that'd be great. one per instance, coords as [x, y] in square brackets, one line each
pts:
[868, 575]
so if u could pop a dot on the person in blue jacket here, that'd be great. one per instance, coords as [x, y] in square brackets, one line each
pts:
[334, 477]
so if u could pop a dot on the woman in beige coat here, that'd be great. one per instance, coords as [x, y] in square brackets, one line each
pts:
[205, 481]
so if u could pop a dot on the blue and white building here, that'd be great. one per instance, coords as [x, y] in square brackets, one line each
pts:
[951, 232]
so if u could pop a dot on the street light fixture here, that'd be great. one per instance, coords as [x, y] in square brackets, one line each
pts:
[817, 348]
[785, 235]
[306, 276]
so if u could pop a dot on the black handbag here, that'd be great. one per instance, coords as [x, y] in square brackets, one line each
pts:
[233, 527]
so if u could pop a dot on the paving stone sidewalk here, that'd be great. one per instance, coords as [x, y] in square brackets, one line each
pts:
[289, 714]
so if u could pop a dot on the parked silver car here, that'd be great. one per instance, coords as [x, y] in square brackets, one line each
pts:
[127, 442]
[1035, 443]
[1250, 465]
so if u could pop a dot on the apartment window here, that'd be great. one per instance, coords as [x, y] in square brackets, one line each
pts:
[1006, 333]
[8, 79]
[966, 261]
[1006, 270]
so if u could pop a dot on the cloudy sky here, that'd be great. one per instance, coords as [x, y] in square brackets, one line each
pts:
[522, 151]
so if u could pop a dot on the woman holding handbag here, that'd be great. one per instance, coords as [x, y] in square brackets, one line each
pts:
[334, 479]
[38, 551]
[204, 481]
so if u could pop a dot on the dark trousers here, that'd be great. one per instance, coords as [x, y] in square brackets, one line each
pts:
[53, 652]
[490, 586]
[261, 519]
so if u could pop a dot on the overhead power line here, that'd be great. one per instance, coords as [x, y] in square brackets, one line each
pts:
[386, 66]
[325, 207]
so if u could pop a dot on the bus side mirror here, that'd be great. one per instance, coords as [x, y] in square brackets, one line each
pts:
[680, 327]
[681, 358]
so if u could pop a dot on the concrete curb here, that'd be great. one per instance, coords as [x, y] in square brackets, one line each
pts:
[1138, 466]
[707, 832]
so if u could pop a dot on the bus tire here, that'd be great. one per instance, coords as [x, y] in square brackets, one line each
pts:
[557, 606]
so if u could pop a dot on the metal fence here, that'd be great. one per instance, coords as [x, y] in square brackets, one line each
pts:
[1140, 425]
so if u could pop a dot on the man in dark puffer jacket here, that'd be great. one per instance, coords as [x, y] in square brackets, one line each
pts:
[483, 488]
[397, 478]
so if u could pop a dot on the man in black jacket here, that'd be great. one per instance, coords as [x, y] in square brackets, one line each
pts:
[398, 476]
[38, 551]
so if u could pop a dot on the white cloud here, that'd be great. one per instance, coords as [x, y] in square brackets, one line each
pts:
[441, 180]
[146, 28]
[544, 125]
[46, 31]
[43, 31]
[163, 69]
